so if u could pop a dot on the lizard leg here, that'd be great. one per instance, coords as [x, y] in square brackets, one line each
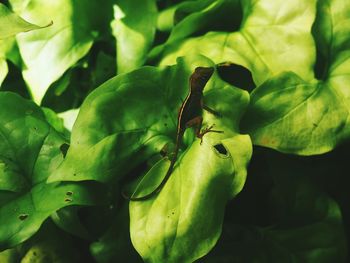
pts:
[206, 130]
[197, 123]
[200, 134]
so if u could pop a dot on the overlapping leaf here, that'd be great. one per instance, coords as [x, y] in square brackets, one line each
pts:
[29, 152]
[308, 117]
[269, 35]
[183, 222]
[112, 135]
[48, 53]
[134, 28]
[126, 120]
[190, 17]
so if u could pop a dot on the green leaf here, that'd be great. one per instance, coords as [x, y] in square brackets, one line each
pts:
[108, 141]
[134, 28]
[11, 24]
[47, 54]
[9, 255]
[51, 245]
[29, 153]
[192, 17]
[183, 222]
[69, 118]
[3, 63]
[306, 224]
[48, 245]
[169, 227]
[115, 245]
[6, 52]
[68, 220]
[55, 121]
[292, 115]
[286, 24]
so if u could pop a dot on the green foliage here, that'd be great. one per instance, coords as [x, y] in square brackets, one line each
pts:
[48, 53]
[30, 151]
[268, 35]
[315, 112]
[305, 224]
[11, 24]
[105, 82]
[134, 27]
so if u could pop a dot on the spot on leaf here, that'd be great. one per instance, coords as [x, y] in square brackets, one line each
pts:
[23, 216]
[64, 148]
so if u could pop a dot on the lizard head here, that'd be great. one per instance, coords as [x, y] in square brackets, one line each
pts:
[200, 77]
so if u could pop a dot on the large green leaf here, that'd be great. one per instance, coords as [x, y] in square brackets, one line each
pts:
[270, 34]
[190, 17]
[184, 221]
[29, 153]
[134, 28]
[48, 53]
[292, 115]
[112, 135]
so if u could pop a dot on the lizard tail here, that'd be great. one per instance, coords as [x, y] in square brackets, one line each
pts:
[166, 177]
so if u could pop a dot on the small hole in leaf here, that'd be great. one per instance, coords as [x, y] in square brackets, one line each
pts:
[68, 200]
[34, 253]
[64, 148]
[23, 216]
[221, 148]
[236, 75]
[74, 174]
[165, 124]
[69, 193]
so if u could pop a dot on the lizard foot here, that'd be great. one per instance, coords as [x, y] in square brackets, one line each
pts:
[206, 130]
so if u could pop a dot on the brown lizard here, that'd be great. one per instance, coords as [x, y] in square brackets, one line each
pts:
[190, 115]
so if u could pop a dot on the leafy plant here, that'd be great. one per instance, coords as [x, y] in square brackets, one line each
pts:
[103, 84]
